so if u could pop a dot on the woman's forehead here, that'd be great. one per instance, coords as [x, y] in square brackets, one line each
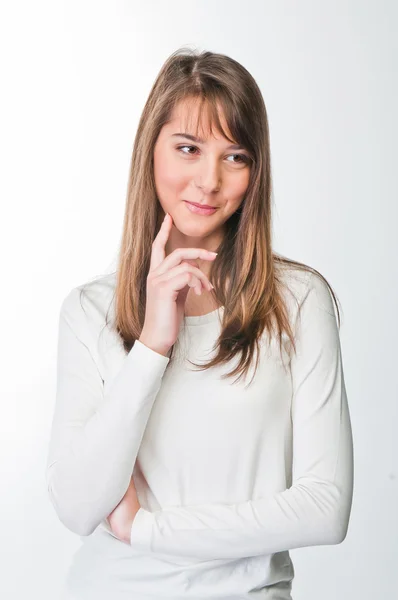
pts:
[187, 117]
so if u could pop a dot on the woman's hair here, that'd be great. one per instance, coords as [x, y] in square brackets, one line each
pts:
[247, 275]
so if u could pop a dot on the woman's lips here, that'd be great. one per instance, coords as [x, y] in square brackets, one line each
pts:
[199, 210]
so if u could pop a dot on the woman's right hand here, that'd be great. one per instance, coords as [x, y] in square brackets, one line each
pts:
[168, 283]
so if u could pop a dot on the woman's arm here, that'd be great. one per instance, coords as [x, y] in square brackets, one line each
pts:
[315, 510]
[95, 437]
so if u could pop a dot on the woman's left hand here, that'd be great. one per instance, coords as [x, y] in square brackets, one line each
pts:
[121, 518]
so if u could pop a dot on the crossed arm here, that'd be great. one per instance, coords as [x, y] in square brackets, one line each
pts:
[95, 440]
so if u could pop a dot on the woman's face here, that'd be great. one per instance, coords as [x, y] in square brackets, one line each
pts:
[206, 171]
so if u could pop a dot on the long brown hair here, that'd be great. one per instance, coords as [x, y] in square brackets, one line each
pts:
[247, 273]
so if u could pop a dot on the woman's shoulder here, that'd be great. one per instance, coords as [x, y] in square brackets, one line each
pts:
[305, 285]
[90, 303]
[294, 282]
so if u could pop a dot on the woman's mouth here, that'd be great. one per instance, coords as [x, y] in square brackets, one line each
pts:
[199, 210]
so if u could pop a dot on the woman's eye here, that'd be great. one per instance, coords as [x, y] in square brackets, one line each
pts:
[181, 147]
[243, 158]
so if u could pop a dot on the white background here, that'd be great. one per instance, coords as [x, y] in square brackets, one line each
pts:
[75, 76]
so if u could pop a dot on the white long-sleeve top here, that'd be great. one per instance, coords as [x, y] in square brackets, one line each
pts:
[230, 476]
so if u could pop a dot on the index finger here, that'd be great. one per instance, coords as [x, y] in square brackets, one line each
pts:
[158, 253]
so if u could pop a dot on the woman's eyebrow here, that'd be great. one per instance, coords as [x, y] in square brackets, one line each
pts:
[200, 141]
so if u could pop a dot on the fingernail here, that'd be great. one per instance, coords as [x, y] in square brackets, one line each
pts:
[211, 252]
[211, 286]
[165, 216]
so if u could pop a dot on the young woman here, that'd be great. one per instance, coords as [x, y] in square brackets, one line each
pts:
[201, 427]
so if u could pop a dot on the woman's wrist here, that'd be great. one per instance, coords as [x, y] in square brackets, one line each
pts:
[126, 533]
[121, 518]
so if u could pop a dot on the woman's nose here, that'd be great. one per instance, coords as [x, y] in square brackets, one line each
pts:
[208, 179]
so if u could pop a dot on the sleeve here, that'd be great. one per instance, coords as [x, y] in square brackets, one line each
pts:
[95, 436]
[315, 510]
